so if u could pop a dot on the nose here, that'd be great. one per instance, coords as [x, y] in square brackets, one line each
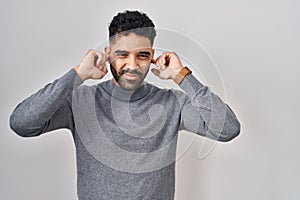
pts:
[132, 62]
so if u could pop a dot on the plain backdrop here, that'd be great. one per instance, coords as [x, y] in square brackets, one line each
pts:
[255, 45]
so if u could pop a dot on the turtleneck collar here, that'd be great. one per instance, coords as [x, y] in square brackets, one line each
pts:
[123, 94]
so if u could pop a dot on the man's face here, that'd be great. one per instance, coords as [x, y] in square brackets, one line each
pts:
[130, 58]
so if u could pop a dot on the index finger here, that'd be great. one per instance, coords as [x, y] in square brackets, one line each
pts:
[153, 61]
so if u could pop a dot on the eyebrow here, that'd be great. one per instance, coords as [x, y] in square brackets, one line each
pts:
[145, 53]
[120, 52]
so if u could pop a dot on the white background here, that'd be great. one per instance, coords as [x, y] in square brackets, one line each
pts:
[255, 45]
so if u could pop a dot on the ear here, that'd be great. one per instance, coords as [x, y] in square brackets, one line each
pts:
[107, 53]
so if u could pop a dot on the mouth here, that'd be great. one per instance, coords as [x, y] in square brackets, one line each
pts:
[131, 76]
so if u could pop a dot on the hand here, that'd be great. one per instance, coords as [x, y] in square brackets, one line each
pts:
[93, 66]
[168, 65]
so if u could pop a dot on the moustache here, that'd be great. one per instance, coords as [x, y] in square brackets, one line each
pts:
[130, 72]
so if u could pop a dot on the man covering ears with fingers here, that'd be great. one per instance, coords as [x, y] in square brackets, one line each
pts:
[125, 129]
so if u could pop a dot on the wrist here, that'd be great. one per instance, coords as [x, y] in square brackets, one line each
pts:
[181, 74]
[175, 72]
[77, 70]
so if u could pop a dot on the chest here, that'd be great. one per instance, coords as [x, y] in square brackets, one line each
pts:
[139, 126]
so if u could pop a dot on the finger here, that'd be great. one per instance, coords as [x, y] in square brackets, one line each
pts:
[100, 58]
[155, 71]
[100, 72]
[158, 63]
[93, 56]
[105, 70]
[103, 67]
[159, 60]
[161, 67]
[165, 58]
[89, 55]
[96, 52]
[104, 59]
[106, 53]
[89, 51]
[97, 74]
[153, 61]
[98, 63]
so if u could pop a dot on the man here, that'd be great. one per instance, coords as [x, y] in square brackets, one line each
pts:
[125, 130]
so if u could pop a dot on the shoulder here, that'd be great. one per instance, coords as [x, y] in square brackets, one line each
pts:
[84, 90]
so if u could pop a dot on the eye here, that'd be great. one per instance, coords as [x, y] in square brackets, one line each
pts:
[144, 56]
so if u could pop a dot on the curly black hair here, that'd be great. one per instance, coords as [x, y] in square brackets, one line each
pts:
[132, 22]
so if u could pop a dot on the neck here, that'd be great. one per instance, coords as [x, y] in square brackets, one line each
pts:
[118, 85]
[127, 95]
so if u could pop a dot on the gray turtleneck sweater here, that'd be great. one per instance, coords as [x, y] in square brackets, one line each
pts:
[125, 140]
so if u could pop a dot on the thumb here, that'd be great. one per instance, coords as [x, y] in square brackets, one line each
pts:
[155, 71]
[153, 61]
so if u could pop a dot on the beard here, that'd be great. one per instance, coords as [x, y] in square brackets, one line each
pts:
[125, 83]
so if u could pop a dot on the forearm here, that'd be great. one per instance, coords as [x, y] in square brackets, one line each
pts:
[207, 114]
[33, 114]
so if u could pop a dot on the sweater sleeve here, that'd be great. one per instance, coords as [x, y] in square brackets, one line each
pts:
[205, 113]
[48, 109]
